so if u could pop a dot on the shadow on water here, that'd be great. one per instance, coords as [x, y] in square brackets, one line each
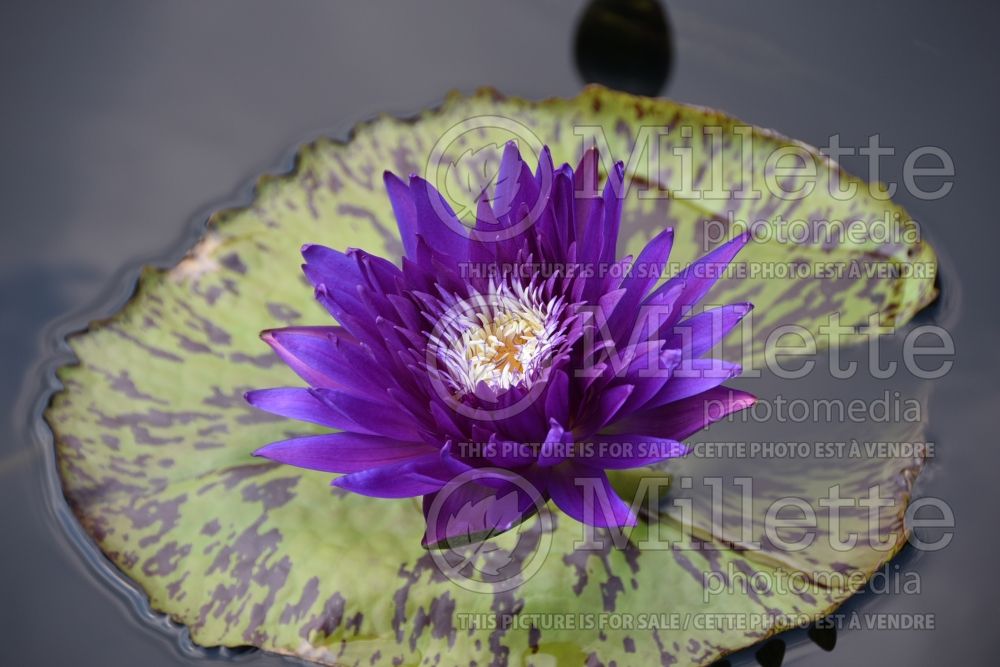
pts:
[625, 44]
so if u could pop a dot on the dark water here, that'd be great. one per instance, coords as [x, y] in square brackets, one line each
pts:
[123, 123]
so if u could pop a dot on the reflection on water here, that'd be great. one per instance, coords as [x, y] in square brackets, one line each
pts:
[625, 44]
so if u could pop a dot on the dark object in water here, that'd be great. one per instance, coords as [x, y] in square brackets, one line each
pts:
[824, 637]
[771, 654]
[625, 44]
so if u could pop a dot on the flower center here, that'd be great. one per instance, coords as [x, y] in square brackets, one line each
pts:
[499, 349]
[500, 340]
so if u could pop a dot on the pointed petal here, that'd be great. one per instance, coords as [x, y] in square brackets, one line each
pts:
[699, 278]
[404, 210]
[585, 191]
[586, 495]
[682, 418]
[341, 452]
[297, 403]
[335, 270]
[614, 194]
[437, 224]
[700, 333]
[646, 270]
[417, 477]
[557, 397]
[553, 447]
[322, 356]
[606, 408]
[369, 416]
[692, 377]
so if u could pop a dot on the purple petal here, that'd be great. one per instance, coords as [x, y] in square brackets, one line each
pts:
[700, 333]
[317, 354]
[592, 243]
[336, 270]
[507, 179]
[592, 501]
[437, 224]
[614, 194]
[444, 421]
[380, 274]
[509, 453]
[563, 211]
[417, 477]
[647, 269]
[464, 512]
[342, 452]
[297, 403]
[557, 397]
[548, 223]
[350, 310]
[608, 403]
[692, 377]
[585, 191]
[553, 446]
[366, 416]
[703, 274]
[682, 418]
[404, 210]
[649, 381]
[628, 450]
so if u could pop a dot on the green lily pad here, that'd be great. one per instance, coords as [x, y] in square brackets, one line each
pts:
[153, 438]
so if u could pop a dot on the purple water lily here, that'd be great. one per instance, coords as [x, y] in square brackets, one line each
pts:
[520, 345]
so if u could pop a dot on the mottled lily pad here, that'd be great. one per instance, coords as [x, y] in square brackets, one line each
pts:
[153, 438]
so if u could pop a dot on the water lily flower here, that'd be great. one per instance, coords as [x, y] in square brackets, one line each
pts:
[520, 344]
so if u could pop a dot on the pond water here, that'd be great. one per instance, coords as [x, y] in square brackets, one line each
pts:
[125, 123]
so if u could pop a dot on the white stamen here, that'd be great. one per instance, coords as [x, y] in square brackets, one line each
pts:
[501, 339]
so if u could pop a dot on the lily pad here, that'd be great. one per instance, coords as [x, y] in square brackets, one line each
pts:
[153, 438]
